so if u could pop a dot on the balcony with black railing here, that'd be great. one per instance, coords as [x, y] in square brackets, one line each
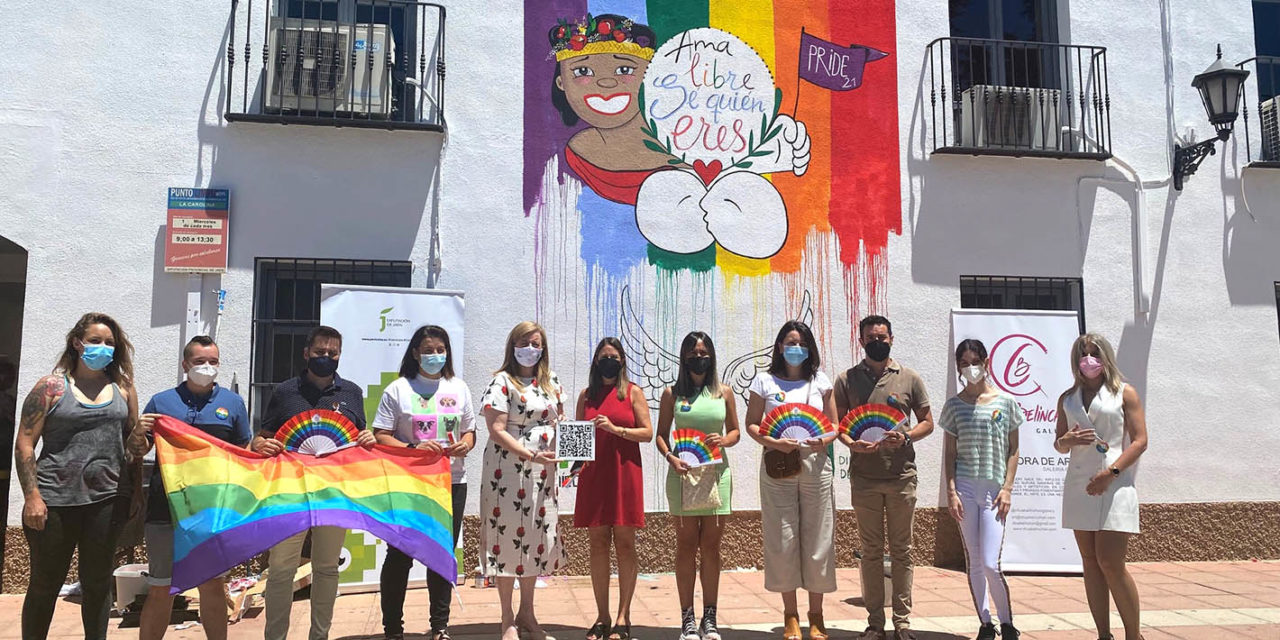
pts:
[1261, 126]
[340, 63]
[1013, 98]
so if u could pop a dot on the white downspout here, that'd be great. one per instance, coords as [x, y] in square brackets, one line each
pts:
[1141, 288]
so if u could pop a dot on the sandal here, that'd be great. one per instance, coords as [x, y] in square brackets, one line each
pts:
[598, 631]
[791, 626]
[817, 628]
[621, 632]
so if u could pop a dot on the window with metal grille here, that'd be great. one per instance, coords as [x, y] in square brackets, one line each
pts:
[1017, 292]
[1002, 60]
[286, 306]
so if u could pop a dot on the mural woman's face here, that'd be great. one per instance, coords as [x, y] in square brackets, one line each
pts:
[603, 88]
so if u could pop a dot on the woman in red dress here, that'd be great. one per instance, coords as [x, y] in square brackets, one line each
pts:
[611, 488]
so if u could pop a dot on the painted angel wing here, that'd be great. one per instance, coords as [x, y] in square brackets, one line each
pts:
[649, 365]
[739, 373]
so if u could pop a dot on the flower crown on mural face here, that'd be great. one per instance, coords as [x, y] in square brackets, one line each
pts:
[603, 35]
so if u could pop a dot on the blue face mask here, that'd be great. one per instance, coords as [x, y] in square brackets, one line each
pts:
[795, 355]
[433, 363]
[97, 356]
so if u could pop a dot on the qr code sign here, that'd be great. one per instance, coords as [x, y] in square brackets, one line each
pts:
[575, 440]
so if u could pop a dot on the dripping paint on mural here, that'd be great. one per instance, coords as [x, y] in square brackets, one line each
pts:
[719, 151]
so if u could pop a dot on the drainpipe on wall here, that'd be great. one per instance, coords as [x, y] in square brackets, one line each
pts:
[1141, 289]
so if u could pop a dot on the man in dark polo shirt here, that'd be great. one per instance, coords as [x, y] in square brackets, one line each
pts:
[883, 474]
[318, 388]
[219, 412]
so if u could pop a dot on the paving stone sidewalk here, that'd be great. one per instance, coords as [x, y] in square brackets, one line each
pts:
[1185, 600]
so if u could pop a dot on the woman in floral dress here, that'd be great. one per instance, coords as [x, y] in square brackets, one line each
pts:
[518, 499]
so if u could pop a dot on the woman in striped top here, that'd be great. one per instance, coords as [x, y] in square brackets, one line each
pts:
[980, 459]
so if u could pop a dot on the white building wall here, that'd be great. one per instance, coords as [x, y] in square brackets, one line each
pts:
[105, 109]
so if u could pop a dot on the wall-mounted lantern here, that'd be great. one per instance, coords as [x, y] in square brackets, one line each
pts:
[1219, 88]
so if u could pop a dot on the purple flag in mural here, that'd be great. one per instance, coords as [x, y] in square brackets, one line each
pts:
[832, 66]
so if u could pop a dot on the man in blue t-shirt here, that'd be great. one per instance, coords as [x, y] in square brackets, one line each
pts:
[219, 412]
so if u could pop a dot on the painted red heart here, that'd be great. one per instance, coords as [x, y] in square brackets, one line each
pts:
[707, 172]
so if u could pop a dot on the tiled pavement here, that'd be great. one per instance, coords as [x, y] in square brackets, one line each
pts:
[1189, 601]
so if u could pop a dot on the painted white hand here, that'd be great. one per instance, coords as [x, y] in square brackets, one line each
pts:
[799, 141]
[746, 214]
[668, 214]
[788, 151]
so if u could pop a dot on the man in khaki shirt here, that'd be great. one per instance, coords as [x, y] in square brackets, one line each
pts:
[883, 475]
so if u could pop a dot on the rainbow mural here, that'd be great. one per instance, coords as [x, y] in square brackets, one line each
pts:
[681, 135]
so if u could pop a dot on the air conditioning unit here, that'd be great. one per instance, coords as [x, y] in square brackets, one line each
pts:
[1269, 114]
[329, 67]
[1010, 117]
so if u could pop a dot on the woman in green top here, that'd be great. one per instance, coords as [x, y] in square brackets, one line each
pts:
[699, 401]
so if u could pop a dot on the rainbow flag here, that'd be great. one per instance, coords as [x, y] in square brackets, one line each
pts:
[230, 504]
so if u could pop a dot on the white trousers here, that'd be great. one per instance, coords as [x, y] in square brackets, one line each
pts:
[983, 536]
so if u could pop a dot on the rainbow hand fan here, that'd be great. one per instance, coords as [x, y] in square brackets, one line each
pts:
[691, 446]
[870, 422]
[317, 432]
[796, 420]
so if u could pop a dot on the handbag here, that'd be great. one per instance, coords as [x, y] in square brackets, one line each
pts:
[700, 489]
[780, 465]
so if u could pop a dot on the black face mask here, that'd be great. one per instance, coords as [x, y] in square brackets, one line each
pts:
[878, 351]
[322, 366]
[609, 367]
[699, 364]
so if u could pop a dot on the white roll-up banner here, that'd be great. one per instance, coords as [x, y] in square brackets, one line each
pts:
[376, 324]
[1029, 355]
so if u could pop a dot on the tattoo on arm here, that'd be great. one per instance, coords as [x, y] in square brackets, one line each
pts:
[34, 408]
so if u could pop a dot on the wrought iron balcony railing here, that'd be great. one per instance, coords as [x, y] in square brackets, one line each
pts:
[1011, 98]
[345, 63]
[1262, 127]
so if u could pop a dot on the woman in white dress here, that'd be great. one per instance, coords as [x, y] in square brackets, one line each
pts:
[1102, 426]
[519, 504]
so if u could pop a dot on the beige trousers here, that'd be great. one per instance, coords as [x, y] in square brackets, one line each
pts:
[798, 516]
[876, 502]
[326, 546]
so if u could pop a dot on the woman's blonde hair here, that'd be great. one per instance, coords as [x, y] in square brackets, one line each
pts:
[1111, 376]
[541, 371]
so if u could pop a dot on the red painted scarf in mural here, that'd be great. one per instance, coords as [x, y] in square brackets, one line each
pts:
[619, 186]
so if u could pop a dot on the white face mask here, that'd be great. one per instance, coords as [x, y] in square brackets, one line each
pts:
[973, 374]
[203, 374]
[528, 356]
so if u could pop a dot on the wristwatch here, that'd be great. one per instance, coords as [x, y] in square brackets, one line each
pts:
[413, 445]
[906, 438]
[1114, 471]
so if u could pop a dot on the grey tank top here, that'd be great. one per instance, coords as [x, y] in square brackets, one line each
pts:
[82, 459]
